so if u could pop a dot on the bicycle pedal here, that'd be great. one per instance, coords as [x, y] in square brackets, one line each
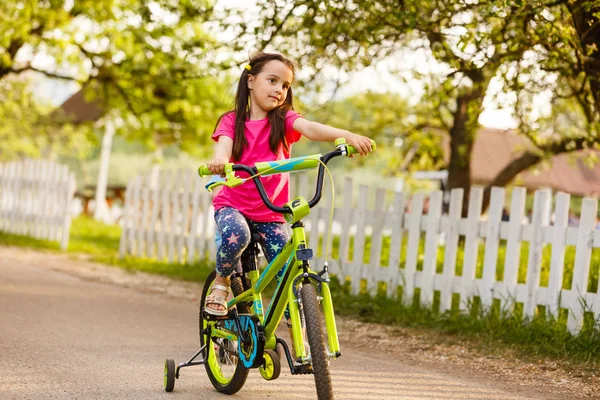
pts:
[302, 369]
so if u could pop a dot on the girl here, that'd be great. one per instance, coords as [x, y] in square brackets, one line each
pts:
[262, 127]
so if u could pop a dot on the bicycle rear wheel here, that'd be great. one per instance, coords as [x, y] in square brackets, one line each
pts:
[225, 371]
[316, 340]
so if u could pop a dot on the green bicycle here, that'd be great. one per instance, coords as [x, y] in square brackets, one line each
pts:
[245, 338]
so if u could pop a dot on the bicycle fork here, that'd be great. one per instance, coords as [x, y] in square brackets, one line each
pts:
[321, 281]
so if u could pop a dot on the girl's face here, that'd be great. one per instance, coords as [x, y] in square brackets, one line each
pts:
[269, 88]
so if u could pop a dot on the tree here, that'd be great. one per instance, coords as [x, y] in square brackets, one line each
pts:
[568, 42]
[384, 117]
[474, 41]
[150, 62]
[25, 131]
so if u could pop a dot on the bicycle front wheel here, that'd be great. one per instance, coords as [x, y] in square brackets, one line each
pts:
[224, 369]
[316, 341]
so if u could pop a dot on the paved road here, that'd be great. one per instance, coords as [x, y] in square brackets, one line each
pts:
[62, 337]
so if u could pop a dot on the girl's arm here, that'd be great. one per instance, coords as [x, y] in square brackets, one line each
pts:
[223, 150]
[325, 133]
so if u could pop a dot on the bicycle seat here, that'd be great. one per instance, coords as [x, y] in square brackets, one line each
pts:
[256, 238]
[251, 253]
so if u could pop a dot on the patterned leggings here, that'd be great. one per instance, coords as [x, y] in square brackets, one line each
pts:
[234, 230]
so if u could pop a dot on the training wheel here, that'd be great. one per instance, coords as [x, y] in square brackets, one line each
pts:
[271, 368]
[169, 375]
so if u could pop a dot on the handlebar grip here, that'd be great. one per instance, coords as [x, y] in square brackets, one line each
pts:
[352, 150]
[204, 171]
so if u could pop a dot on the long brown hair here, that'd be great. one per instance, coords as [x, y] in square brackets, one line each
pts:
[242, 107]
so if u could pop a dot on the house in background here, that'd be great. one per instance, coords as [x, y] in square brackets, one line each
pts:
[77, 110]
[495, 148]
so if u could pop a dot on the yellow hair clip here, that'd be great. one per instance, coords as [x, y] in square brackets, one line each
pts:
[248, 67]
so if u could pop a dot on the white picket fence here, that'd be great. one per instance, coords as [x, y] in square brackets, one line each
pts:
[35, 200]
[168, 215]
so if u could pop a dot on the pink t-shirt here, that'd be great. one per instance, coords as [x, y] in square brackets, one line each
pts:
[245, 198]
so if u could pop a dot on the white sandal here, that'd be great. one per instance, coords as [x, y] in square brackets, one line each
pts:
[217, 300]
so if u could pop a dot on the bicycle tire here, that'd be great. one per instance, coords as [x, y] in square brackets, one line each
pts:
[237, 287]
[316, 341]
[224, 384]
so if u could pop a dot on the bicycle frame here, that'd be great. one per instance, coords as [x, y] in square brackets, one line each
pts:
[285, 294]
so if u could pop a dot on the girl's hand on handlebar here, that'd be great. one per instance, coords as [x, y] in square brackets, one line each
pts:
[217, 165]
[361, 143]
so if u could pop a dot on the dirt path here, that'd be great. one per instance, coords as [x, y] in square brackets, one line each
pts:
[403, 361]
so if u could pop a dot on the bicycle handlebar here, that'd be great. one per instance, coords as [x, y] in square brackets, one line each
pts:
[293, 164]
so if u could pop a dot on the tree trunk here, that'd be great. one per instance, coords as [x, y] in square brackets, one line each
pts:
[462, 138]
[461, 145]
[587, 26]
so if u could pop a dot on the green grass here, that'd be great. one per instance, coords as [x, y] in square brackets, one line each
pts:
[101, 243]
[488, 329]
[94, 238]
[492, 329]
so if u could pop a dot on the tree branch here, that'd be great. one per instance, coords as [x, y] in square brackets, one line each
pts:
[126, 98]
[277, 26]
[12, 50]
[529, 158]
[448, 56]
[556, 3]
[47, 73]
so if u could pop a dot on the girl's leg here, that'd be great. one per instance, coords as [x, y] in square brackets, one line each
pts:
[275, 236]
[235, 237]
